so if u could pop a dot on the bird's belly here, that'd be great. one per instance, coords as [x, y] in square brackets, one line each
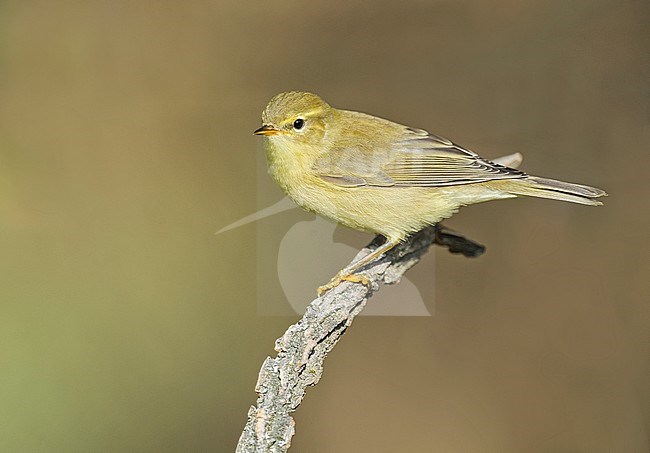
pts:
[394, 212]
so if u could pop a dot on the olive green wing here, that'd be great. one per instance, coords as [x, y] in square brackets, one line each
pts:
[417, 159]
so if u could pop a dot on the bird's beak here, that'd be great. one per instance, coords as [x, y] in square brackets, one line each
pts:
[267, 130]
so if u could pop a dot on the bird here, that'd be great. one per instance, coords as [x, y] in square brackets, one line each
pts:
[382, 177]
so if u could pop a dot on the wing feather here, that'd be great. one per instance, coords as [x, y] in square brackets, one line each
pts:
[417, 159]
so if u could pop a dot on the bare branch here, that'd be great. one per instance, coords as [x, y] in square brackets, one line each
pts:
[302, 349]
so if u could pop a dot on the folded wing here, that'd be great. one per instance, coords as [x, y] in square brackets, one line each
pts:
[417, 159]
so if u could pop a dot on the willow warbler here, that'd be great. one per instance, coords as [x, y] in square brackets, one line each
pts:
[374, 175]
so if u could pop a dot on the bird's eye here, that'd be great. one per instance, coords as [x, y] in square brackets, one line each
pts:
[298, 124]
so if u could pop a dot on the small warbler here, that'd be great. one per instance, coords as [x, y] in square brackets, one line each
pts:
[374, 175]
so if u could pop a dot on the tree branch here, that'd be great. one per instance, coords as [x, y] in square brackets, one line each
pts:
[302, 349]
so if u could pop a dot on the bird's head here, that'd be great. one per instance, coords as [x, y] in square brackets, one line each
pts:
[296, 118]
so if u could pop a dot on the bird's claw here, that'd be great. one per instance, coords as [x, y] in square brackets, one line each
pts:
[340, 277]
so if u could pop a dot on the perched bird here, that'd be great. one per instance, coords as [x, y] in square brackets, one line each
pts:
[374, 175]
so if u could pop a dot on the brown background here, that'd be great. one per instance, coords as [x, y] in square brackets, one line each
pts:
[125, 142]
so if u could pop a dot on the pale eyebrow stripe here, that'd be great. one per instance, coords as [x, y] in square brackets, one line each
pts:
[311, 112]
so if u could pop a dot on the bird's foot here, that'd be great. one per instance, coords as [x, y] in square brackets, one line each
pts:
[341, 277]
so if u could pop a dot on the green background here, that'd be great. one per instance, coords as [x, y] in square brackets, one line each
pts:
[125, 143]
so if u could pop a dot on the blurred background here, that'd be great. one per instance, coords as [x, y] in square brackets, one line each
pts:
[125, 143]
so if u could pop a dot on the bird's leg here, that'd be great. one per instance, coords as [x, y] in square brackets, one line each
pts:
[347, 274]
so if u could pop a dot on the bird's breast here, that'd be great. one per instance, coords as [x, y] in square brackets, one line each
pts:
[291, 168]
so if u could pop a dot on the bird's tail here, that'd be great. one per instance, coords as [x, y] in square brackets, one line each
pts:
[533, 186]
